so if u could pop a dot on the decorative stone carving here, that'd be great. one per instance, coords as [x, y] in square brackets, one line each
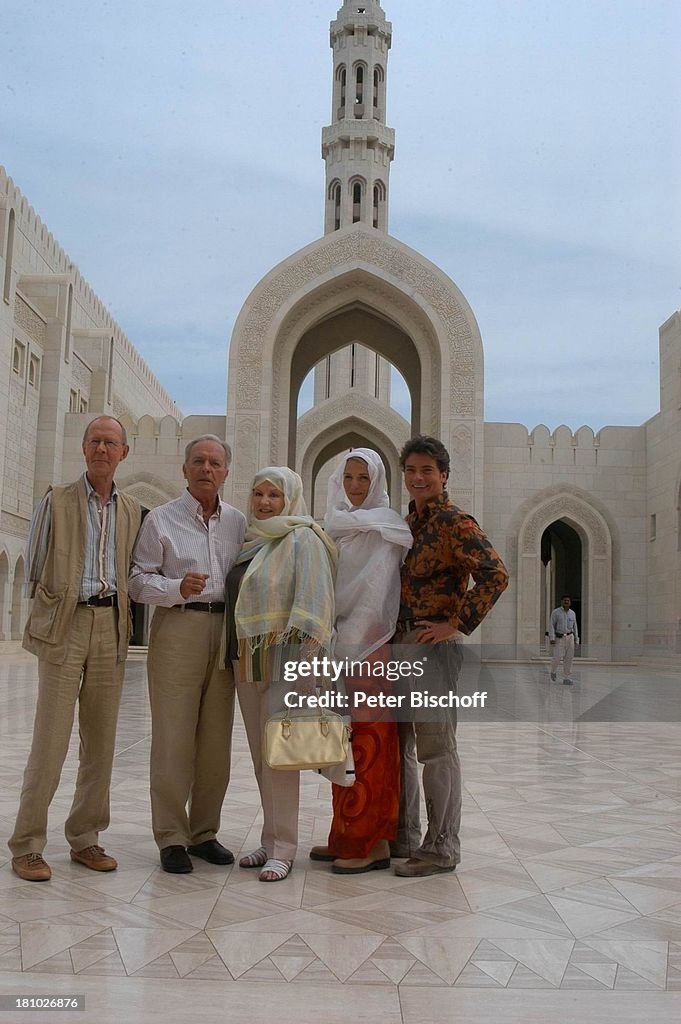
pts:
[559, 508]
[15, 525]
[246, 451]
[366, 250]
[32, 323]
[461, 454]
[360, 406]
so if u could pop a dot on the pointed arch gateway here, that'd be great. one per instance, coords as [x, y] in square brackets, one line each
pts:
[577, 512]
[353, 285]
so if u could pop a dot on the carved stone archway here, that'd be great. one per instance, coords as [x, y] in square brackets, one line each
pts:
[149, 490]
[562, 504]
[348, 421]
[350, 432]
[352, 269]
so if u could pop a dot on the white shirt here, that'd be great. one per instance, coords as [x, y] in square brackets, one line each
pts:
[563, 622]
[174, 540]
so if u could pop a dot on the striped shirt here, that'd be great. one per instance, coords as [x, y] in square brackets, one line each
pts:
[174, 540]
[99, 568]
[563, 622]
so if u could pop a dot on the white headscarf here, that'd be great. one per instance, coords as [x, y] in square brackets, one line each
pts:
[372, 542]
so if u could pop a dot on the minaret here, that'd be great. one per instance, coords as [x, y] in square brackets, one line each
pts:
[358, 147]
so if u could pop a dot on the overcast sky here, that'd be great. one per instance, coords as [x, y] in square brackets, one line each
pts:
[174, 151]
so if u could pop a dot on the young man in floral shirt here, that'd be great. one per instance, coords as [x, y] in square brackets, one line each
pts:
[436, 605]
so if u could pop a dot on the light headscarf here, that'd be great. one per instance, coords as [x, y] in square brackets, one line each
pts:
[373, 541]
[287, 589]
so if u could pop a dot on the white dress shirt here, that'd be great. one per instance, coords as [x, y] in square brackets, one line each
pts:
[174, 540]
[563, 622]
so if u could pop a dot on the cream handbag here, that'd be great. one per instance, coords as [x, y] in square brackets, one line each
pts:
[306, 738]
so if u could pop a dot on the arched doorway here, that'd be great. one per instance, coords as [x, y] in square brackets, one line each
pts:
[561, 558]
[580, 521]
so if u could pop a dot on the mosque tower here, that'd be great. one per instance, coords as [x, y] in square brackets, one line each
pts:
[358, 149]
[357, 146]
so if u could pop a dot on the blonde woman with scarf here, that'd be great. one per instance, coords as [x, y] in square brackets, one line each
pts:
[372, 541]
[280, 607]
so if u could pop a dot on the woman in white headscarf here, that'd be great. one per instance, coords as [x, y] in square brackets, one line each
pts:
[280, 600]
[372, 541]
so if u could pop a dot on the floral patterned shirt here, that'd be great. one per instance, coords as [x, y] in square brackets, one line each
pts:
[449, 548]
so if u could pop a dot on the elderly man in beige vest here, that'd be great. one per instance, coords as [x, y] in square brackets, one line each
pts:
[79, 550]
[183, 554]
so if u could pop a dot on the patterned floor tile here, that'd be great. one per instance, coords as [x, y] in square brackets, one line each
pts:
[570, 879]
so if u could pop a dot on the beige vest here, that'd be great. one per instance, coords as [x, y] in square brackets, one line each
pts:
[56, 595]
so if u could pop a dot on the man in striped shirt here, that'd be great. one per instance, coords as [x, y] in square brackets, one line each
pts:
[183, 554]
[79, 549]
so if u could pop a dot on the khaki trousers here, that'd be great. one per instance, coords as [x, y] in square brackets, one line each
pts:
[279, 791]
[563, 650]
[192, 713]
[433, 744]
[90, 676]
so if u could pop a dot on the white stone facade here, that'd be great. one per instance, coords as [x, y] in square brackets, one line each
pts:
[61, 356]
[596, 515]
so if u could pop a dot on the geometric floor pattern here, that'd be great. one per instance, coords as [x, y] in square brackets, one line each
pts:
[570, 879]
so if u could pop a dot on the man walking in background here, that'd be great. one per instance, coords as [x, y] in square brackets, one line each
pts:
[563, 636]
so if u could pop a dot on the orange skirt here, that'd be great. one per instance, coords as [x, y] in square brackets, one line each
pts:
[369, 810]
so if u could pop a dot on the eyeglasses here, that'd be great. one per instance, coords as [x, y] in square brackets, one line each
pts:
[94, 442]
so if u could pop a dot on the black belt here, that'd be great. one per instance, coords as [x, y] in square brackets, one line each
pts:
[559, 636]
[102, 602]
[203, 606]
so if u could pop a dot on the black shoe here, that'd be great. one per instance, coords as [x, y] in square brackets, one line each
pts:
[212, 851]
[567, 682]
[175, 860]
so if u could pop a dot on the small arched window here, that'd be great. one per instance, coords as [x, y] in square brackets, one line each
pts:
[342, 79]
[356, 202]
[359, 84]
[378, 201]
[336, 207]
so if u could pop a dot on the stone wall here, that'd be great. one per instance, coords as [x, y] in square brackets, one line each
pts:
[602, 475]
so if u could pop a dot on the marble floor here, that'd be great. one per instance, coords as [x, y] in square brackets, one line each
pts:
[567, 900]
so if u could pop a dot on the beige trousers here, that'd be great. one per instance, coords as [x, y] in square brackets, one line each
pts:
[192, 713]
[91, 677]
[563, 650]
[279, 791]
